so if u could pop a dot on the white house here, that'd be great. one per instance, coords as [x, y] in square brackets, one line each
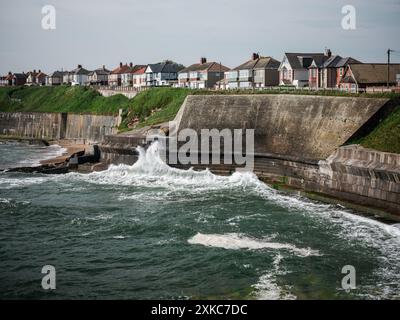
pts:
[293, 69]
[162, 74]
[79, 76]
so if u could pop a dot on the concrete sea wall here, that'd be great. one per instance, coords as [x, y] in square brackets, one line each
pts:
[91, 128]
[304, 127]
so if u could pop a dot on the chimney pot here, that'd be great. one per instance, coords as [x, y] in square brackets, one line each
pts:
[120, 64]
[131, 64]
[328, 53]
[255, 56]
[203, 60]
[79, 66]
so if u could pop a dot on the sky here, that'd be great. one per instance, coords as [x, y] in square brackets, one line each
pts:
[94, 33]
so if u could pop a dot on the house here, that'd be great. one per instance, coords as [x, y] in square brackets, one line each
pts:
[79, 76]
[139, 78]
[364, 76]
[55, 79]
[115, 77]
[35, 78]
[6, 80]
[293, 69]
[67, 77]
[258, 72]
[99, 76]
[18, 79]
[328, 71]
[162, 74]
[31, 78]
[127, 76]
[201, 75]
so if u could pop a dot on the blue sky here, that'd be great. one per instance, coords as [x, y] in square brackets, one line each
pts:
[96, 32]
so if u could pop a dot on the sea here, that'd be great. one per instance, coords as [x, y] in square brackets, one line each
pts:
[150, 231]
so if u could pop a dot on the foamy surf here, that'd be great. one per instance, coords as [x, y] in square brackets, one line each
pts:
[235, 241]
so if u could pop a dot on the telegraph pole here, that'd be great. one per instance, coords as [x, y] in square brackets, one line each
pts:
[388, 67]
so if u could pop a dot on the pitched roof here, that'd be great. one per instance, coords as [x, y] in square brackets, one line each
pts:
[141, 70]
[19, 75]
[259, 63]
[165, 67]
[120, 69]
[100, 71]
[371, 73]
[345, 61]
[80, 70]
[208, 66]
[304, 60]
[57, 74]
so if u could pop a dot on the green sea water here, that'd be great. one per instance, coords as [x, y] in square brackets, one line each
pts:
[150, 231]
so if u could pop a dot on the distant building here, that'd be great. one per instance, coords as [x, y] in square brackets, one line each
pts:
[55, 79]
[328, 71]
[368, 75]
[6, 80]
[139, 78]
[79, 76]
[18, 79]
[258, 72]
[293, 69]
[162, 74]
[201, 75]
[127, 76]
[34, 78]
[115, 77]
[99, 76]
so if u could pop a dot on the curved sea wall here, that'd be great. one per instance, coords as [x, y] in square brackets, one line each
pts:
[49, 126]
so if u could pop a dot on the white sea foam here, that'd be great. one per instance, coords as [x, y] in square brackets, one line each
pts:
[235, 241]
[267, 288]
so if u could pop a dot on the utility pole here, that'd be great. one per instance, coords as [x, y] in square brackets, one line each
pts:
[388, 67]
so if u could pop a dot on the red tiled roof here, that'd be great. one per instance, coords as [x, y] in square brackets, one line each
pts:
[141, 70]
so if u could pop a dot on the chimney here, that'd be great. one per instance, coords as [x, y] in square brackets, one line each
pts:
[254, 56]
[34, 70]
[79, 66]
[9, 73]
[328, 53]
[203, 60]
[39, 71]
[120, 64]
[131, 64]
[104, 67]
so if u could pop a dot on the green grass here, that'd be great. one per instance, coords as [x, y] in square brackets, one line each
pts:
[386, 136]
[59, 99]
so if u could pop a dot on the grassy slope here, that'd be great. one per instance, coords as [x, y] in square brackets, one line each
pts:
[386, 136]
[59, 99]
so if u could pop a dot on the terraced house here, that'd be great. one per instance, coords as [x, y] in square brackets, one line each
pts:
[127, 76]
[201, 75]
[258, 72]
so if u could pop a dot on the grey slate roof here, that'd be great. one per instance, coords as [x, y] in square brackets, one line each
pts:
[304, 60]
[211, 66]
[259, 63]
[99, 71]
[80, 71]
[345, 61]
[166, 67]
